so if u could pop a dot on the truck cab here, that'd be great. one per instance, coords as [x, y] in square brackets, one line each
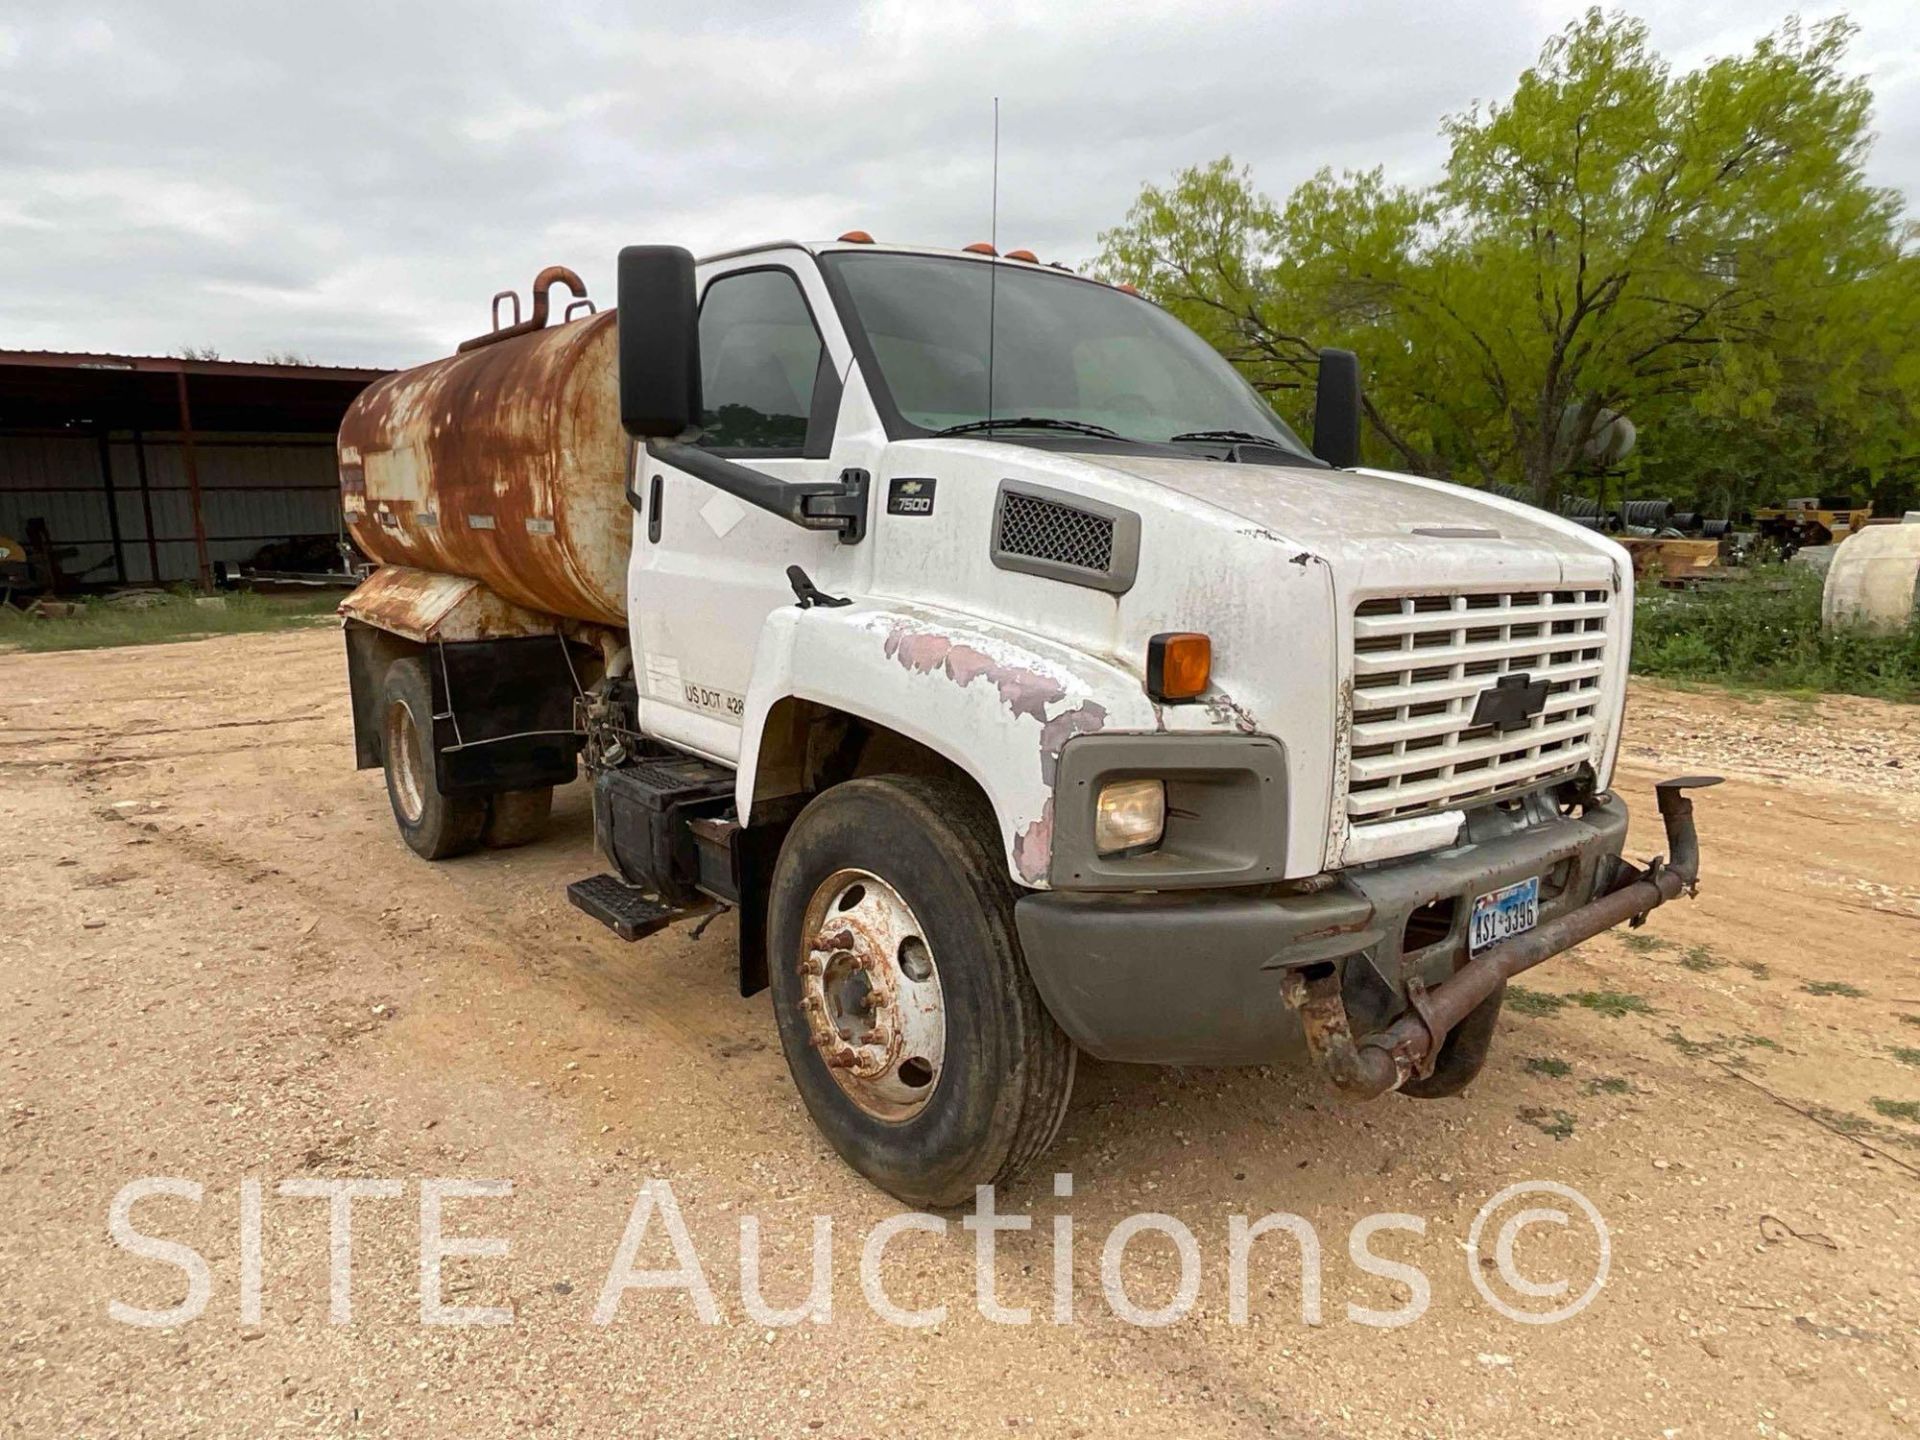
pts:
[1031, 689]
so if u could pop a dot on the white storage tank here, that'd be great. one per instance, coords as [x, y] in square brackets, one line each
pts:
[1875, 578]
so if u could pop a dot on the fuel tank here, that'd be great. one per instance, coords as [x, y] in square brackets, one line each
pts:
[504, 463]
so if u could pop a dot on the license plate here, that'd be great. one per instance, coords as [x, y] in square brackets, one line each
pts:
[1501, 914]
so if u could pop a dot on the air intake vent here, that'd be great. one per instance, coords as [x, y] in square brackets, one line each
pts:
[1065, 537]
[1042, 530]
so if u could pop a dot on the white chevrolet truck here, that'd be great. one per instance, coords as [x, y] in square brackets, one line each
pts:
[1027, 686]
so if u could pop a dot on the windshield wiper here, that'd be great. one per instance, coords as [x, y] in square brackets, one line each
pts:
[1235, 437]
[1031, 422]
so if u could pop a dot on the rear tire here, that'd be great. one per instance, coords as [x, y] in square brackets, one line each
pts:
[517, 817]
[435, 826]
[891, 904]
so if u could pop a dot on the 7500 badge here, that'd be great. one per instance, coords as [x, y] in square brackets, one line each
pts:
[909, 496]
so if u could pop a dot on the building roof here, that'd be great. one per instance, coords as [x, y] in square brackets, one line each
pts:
[46, 389]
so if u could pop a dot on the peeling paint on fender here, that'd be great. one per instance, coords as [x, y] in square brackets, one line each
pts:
[1226, 710]
[1023, 690]
[1033, 846]
[1082, 719]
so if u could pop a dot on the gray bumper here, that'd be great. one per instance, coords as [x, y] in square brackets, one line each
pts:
[1193, 977]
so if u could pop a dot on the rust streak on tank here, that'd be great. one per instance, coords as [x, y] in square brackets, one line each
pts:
[504, 464]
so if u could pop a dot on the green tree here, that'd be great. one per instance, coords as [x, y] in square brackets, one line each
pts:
[1701, 249]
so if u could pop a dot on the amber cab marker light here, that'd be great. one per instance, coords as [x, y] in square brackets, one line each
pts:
[1026, 255]
[1179, 663]
[856, 237]
[980, 247]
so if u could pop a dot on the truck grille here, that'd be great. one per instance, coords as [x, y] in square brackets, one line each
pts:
[1419, 665]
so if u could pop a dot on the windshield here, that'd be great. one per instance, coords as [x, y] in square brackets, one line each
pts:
[1064, 350]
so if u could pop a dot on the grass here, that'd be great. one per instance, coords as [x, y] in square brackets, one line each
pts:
[1898, 1109]
[1906, 1054]
[1834, 987]
[1692, 1049]
[1609, 1085]
[1840, 1120]
[1700, 959]
[1643, 944]
[1557, 1123]
[1755, 968]
[1548, 1066]
[1727, 1049]
[1763, 630]
[1611, 1003]
[1532, 1002]
[171, 616]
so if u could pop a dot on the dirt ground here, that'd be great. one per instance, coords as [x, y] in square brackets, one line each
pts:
[222, 965]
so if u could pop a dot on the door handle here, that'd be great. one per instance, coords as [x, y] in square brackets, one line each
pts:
[656, 490]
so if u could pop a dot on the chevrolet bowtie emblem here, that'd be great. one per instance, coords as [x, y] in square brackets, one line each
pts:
[1512, 702]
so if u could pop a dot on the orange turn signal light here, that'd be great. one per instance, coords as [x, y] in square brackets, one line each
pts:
[1179, 664]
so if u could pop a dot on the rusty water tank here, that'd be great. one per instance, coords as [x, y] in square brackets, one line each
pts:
[504, 463]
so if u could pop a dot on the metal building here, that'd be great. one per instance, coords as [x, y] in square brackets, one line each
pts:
[150, 469]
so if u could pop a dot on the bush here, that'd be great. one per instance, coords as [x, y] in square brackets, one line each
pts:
[1764, 630]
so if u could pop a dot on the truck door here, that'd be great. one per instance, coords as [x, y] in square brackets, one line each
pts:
[708, 568]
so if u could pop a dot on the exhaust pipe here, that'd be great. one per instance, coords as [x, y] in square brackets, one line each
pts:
[1409, 1046]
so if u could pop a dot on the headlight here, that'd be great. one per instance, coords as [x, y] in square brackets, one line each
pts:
[1129, 815]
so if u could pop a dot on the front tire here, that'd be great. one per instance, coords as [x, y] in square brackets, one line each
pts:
[435, 826]
[1462, 1054]
[914, 1034]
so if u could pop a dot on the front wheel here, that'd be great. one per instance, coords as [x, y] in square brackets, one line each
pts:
[1462, 1053]
[913, 1032]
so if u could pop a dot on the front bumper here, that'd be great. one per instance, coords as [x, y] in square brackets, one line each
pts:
[1195, 977]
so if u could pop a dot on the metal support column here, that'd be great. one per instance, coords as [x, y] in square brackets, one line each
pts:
[113, 504]
[146, 506]
[193, 481]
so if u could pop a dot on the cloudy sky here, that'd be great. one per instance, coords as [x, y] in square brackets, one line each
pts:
[352, 181]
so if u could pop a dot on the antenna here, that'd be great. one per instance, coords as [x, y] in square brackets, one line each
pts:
[993, 261]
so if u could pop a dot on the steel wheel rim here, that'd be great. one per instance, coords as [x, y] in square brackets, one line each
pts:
[870, 995]
[404, 764]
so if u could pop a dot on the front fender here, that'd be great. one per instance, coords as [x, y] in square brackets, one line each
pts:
[996, 701]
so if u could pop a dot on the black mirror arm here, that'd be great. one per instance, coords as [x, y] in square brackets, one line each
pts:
[838, 505]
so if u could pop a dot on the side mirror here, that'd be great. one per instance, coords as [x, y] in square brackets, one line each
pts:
[1336, 408]
[659, 342]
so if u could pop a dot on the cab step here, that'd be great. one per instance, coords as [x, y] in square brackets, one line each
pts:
[629, 911]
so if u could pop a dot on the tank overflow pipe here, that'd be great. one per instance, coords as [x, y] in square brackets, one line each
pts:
[542, 283]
